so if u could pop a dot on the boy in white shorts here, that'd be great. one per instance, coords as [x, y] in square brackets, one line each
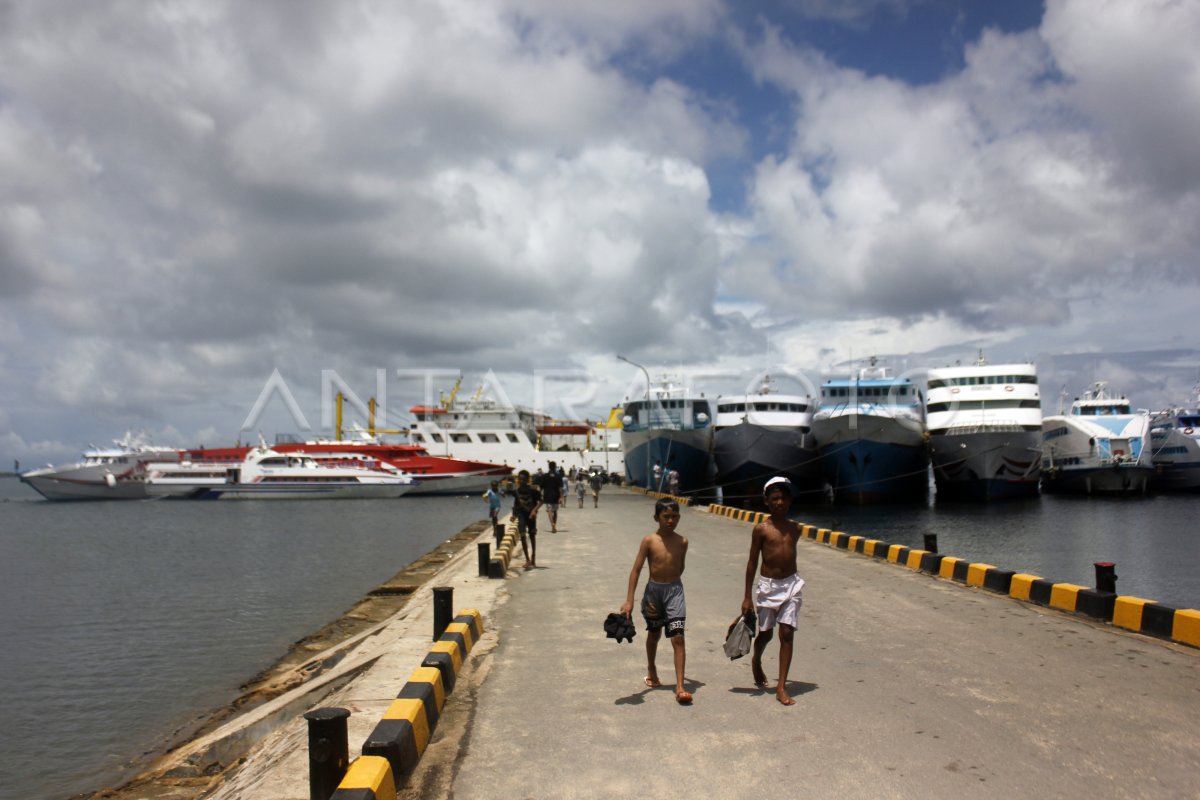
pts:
[777, 595]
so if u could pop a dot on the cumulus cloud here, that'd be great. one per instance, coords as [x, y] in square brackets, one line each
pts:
[194, 195]
[997, 197]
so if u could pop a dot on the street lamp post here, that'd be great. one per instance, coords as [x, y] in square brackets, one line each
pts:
[647, 411]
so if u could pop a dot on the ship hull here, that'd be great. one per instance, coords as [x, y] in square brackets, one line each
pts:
[1176, 461]
[746, 455]
[688, 451]
[299, 491]
[987, 465]
[1113, 480]
[60, 488]
[873, 459]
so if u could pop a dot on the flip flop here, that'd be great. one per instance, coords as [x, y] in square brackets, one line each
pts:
[683, 698]
[653, 684]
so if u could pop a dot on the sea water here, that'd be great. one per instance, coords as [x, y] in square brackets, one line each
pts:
[123, 622]
[1153, 540]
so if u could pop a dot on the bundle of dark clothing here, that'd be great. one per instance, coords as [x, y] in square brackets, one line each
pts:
[619, 626]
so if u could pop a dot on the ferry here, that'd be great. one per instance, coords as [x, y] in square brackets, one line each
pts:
[758, 436]
[985, 430]
[106, 473]
[1101, 447]
[1175, 441]
[518, 437]
[870, 432]
[669, 429]
[266, 474]
[436, 475]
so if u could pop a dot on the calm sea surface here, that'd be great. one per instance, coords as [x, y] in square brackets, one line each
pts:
[122, 622]
[1154, 541]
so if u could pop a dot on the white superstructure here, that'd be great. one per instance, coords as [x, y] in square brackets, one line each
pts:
[985, 429]
[1101, 446]
[480, 429]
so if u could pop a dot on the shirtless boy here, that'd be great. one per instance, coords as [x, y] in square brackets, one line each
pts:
[526, 502]
[777, 596]
[662, 603]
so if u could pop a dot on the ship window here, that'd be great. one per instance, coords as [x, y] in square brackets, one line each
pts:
[461, 438]
[416, 437]
[437, 437]
[490, 438]
[512, 437]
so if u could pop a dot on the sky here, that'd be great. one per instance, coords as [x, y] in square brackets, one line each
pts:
[215, 214]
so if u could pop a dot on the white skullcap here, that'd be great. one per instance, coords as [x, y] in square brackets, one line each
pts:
[779, 480]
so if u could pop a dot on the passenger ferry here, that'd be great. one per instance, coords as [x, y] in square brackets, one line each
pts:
[1101, 447]
[1175, 440]
[265, 474]
[673, 430]
[481, 429]
[761, 435]
[870, 432]
[104, 473]
[985, 430]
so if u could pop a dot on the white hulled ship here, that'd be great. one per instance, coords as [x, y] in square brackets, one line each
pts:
[671, 429]
[985, 430]
[758, 436]
[480, 429]
[266, 474]
[1101, 447]
[104, 473]
[870, 432]
[1175, 439]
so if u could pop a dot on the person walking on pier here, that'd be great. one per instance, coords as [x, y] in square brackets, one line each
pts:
[595, 481]
[663, 604]
[526, 502]
[777, 597]
[493, 499]
[552, 495]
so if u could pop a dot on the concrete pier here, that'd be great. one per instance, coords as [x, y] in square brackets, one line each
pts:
[907, 685]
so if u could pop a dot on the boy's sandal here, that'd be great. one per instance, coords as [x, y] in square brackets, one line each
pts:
[683, 698]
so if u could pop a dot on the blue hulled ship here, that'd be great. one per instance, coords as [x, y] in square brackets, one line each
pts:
[870, 432]
[673, 430]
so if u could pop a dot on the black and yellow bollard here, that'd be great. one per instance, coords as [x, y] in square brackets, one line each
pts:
[1106, 576]
[328, 751]
[931, 542]
[443, 609]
